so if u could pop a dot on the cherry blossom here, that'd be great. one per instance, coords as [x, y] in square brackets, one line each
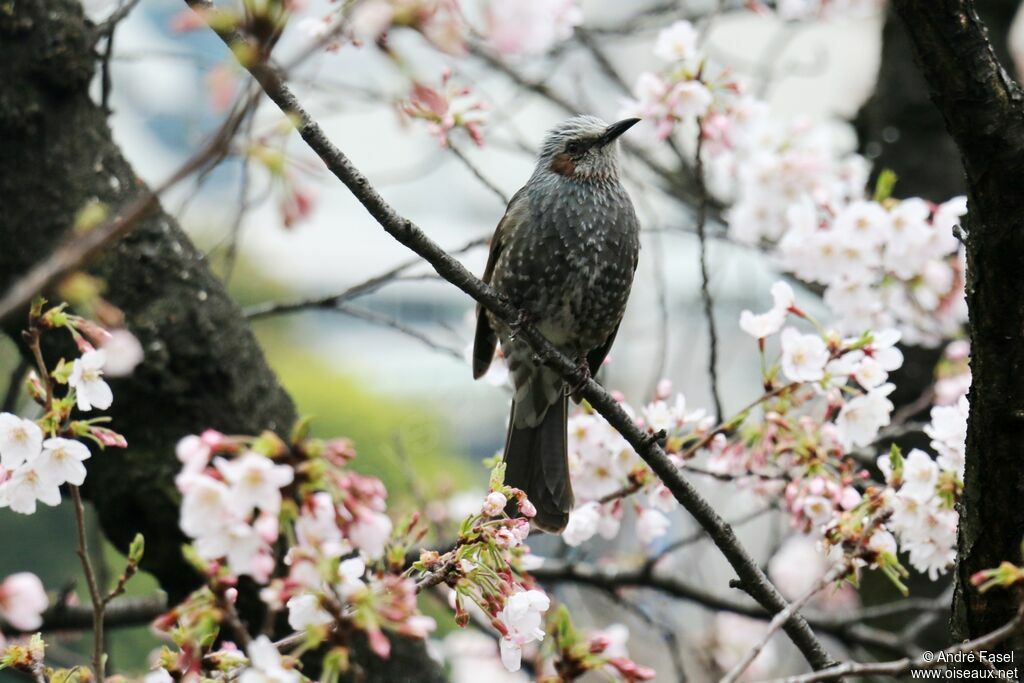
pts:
[948, 432]
[677, 43]
[61, 461]
[23, 601]
[20, 440]
[862, 417]
[651, 524]
[266, 665]
[520, 621]
[530, 27]
[87, 381]
[494, 504]
[920, 474]
[439, 21]
[769, 323]
[370, 533]
[803, 356]
[304, 612]
[255, 481]
[446, 108]
[583, 524]
[123, 353]
[26, 486]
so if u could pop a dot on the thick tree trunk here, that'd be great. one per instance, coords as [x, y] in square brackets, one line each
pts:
[900, 129]
[203, 367]
[898, 126]
[982, 110]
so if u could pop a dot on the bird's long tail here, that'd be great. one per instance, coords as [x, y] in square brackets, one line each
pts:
[536, 460]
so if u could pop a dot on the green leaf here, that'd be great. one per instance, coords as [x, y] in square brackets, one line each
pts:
[498, 476]
[300, 432]
[884, 185]
[136, 549]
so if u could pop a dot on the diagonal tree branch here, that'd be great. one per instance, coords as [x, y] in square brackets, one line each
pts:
[751, 578]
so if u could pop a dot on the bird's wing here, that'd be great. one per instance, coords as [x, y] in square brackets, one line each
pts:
[486, 340]
[596, 357]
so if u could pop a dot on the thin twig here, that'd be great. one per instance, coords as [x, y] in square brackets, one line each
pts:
[848, 628]
[115, 18]
[903, 666]
[705, 290]
[477, 173]
[98, 604]
[397, 325]
[779, 619]
[272, 308]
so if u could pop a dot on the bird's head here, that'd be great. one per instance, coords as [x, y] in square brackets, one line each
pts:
[583, 147]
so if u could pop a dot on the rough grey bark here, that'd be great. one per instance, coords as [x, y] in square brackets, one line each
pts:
[899, 127]
[203, 367]
[983, 112]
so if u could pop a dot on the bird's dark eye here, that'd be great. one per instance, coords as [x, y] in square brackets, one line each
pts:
[574, 147]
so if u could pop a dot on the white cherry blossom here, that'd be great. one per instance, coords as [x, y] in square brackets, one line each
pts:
[803, 356]
[23, 601]
[91, 391]
[20, 440]
[521, 618]
[678, 42]
[266, 666]
[255, 480]
[61, 461]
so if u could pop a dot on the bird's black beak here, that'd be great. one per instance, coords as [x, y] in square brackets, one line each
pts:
[612, 132]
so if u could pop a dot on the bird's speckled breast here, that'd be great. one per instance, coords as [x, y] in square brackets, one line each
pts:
[570, 259]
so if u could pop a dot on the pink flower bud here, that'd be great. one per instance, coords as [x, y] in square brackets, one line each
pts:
[379, 643]
[494, 504]
[599, 644]
[663, 390]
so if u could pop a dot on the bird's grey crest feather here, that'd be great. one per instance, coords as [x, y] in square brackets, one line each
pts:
[574, 128]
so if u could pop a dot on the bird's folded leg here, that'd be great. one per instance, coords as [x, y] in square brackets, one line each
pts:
[524, 317]
[583, 373]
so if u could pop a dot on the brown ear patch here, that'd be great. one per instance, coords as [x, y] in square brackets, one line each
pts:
[563, 164]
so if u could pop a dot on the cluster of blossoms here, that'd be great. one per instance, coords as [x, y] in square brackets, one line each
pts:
[39, 456]
[825, 402]
[244, 499]
[890, 263]
[825, 491]
[524, 28]
[446, 108]
[922, 492]
[796, 188]
[487, 571]
[605, 469]
[488, 576]
[241, 495]
[603, 651]
[684, 90]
